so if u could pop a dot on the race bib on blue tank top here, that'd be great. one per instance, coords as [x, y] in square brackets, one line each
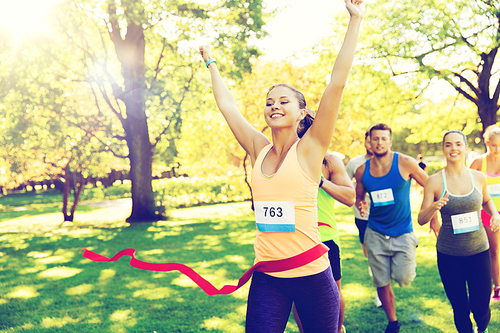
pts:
[382, 197]
[466, 222]
[494, 190]
[275, 216]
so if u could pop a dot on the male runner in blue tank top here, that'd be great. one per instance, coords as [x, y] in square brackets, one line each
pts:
[389, 239]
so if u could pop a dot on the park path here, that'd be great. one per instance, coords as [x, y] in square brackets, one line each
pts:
[124, 203]
[111, 214]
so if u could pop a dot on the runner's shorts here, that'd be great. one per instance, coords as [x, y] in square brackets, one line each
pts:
[391, 258]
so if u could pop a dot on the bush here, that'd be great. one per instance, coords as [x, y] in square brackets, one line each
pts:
[178, 192]
[106, 193]
[435, 166]
[193, 191]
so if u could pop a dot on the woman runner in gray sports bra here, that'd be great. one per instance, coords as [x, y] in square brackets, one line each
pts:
[462, 245]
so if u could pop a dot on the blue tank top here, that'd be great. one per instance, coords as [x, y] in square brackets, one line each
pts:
[390, 211]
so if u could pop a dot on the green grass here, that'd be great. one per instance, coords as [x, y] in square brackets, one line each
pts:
[34, 203]
[46, 285]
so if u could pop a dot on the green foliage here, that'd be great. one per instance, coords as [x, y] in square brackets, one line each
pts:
[370, 96]
[99, 193]
[435, 166]
[193, 191]
[440, 45]
[111, 75]
[48, 118]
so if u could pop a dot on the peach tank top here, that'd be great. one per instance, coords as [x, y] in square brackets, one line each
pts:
[286, 214]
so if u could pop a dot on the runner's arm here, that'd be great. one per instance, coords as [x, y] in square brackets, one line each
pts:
[477, 163]
[337, 184]
[248, 137]
[488, 204]
[431, 202]
[414, 170]
[361, 203]
[318, 137]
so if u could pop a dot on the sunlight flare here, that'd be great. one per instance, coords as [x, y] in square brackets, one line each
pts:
[23, 17]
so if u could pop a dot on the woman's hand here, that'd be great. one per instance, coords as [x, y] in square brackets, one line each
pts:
[495, 223]
[435, 226]
[206, 52]
[354, 7]
[441, 202]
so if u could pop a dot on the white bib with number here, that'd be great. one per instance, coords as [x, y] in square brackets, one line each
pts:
[466, 222]
[382, 197]
[275, 216]
[494, 190]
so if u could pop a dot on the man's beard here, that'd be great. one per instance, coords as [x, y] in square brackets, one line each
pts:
[380, 154]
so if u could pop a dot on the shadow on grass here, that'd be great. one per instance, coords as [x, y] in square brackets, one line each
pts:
[46, 286]
[33, 210]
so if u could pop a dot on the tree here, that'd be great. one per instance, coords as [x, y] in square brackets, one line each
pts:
[453, 42]
[50, 129]
[150, 76]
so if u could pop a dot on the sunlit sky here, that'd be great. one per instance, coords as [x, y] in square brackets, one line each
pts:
[298, 25]
[25, 16]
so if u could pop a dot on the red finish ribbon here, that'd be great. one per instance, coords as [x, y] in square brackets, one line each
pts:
[263, 266]
[324, 224]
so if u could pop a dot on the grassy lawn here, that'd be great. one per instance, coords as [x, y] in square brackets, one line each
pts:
[46, 285]
[34, 203]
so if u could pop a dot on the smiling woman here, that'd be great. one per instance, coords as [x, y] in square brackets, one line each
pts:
[24, 17]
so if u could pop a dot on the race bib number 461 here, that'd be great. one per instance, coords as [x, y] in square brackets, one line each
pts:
[382, 197]
[275, 216]
[466, 222]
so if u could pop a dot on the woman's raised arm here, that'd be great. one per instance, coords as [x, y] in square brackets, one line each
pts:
[321, 132]
[248, 137]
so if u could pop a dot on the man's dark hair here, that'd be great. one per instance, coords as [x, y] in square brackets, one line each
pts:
[380, 127]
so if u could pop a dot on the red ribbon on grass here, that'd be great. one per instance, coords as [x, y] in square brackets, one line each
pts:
[271, 266]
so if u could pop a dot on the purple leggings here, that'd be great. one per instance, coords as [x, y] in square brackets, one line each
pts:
[270, 300]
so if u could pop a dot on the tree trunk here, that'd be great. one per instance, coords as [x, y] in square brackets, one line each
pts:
[246, 179]
[487, 105]
[140, 156]
[70, 181]
[76, 194]
[65, 192]
[488, 114]
[131, 52]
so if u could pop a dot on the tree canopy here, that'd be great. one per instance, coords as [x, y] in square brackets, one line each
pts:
[131, 66]
[432, 41]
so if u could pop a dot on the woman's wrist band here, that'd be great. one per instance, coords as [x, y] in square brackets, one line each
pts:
[321, 181]
[209, 61]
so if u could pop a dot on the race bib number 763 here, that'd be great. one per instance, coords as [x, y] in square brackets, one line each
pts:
[275, 216]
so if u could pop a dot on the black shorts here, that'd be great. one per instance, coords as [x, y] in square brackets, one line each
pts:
[335, 262]
[361, 224]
